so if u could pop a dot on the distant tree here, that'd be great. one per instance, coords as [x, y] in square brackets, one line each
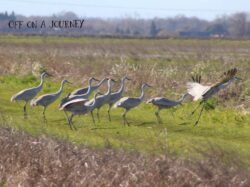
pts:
[217, 29]
[117, 30]
[12, 16]
[127, 31]
[136, 33]
[247, 32]
[153, 29]
[6, 16]
[238, 24]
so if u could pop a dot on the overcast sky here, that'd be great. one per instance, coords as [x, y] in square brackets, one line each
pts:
[206, 9]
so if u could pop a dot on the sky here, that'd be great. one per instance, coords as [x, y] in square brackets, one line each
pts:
[205, 9]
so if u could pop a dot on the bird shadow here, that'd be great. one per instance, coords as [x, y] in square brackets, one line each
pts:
[184, 123]
[180, 130]
[145, 123]
[103, 128]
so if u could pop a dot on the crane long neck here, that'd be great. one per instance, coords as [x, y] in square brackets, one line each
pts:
[122, 86]
[228, 82]
[60, 89]
[93, 104]
[142, 93]
[181, 99]
[89, 88]
[41, 83]
[100, 83]
[109, 88]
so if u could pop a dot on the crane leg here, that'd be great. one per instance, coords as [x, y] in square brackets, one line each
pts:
[71, 118]
[123, 117]
[67, 117]
[196, 108]
[97, 114]
[196, 123]
[157, 113]
[25, 110]
[71, 122]
[125, 121]
[44, 116]
[92, 115]
[109, 113]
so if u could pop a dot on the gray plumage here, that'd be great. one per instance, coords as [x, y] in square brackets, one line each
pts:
[81, 91]
[28, 94]
[79, 107]
[47, 99]
[86, 95]
[164, 103]
[114, 97]
[130, 102]
[102, 99]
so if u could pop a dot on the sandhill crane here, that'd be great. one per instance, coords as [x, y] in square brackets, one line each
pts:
[116, 95]
[79, 107]
[86, 95]
[102, 99]
[164, 103]
[199, 91]
[92, 88]
[130, 102]
[47, 99]
[28, 94]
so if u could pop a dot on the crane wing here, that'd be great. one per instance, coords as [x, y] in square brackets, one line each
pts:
[120, 101]
[228, 75]
[79, 91]
[196, 78]
[164, 102]
[196, 90]
[76, 102]
[222, 84]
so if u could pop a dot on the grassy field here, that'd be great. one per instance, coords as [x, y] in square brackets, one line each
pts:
[165, 64]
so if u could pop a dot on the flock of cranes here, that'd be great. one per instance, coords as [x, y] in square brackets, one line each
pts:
[78, 103]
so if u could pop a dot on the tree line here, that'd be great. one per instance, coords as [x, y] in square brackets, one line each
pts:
[232, 26]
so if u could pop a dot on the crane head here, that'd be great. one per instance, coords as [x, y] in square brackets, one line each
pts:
[112, 80]
[45, 74]
[127, 78]
[66, 81]
[147, 85]
[238, 78]
[93, 78]
[97, 94]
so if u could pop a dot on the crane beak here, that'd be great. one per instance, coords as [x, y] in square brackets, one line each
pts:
[69, 82]
[113, 80]
[49, 75]
[95, 79]
[149, 86]
[129, 79]
[99, 93]
[238, 78]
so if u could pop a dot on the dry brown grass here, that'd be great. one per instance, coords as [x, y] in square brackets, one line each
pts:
[28, 161]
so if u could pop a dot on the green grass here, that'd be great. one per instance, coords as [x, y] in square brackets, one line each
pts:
[226, 128]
